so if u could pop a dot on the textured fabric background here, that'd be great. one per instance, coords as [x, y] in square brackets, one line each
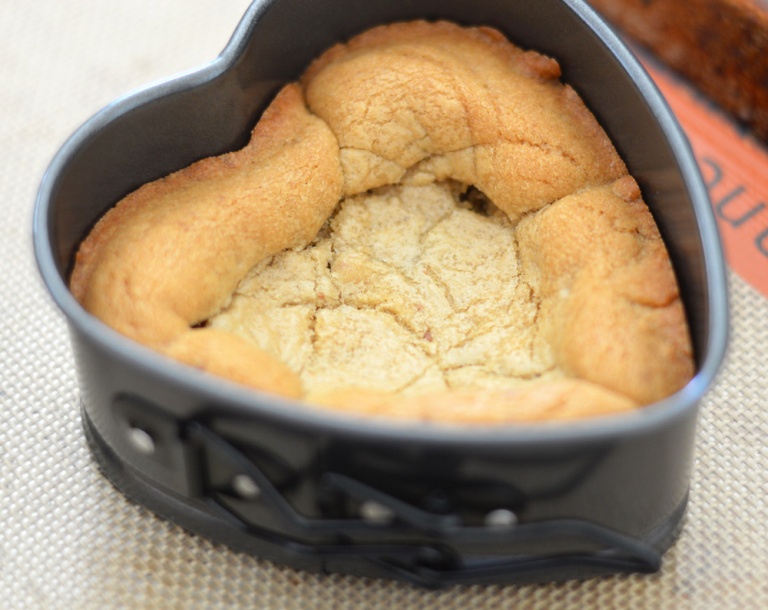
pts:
[69, 540]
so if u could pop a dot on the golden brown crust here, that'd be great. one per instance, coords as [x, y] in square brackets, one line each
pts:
[437, 101]
[409, 103]
[560, 400]
[610, 310]
[170, 254]
[229, 356]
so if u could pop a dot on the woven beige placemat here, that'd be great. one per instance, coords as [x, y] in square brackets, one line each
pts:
[69, 540]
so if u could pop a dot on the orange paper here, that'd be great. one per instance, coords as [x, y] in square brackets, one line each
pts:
[735, 168]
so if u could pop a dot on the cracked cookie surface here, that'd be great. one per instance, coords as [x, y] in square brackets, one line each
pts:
[408, 290]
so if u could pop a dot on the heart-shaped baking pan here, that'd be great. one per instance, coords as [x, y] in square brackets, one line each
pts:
[323, 491]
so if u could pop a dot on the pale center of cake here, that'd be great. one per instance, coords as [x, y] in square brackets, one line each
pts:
[406, 289]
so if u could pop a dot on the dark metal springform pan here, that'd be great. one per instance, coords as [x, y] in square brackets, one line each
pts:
[433, 505]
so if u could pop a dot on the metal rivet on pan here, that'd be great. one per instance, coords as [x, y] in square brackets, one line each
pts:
[374, 512]
[245, 486]
[141, 440]
[501, 517]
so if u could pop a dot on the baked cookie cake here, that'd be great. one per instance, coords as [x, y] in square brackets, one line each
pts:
[428, 225]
